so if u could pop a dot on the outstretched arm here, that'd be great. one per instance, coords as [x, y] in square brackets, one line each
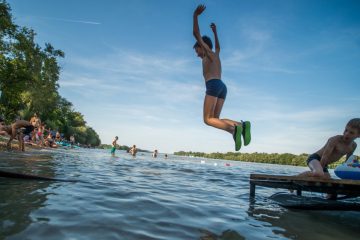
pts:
[217, 44]
[196, 30]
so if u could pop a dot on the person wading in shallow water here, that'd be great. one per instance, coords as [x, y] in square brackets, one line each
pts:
[114, 146]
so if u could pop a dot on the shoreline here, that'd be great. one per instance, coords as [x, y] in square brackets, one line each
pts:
[219, 156]
[15, 145]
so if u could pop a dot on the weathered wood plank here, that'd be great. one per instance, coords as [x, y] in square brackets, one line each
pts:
[334, 186]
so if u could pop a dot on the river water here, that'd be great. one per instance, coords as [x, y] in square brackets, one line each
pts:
[145, 198]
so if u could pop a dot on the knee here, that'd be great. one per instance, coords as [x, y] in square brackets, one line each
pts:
[207, 120]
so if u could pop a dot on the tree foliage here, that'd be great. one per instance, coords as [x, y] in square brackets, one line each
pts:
[29, 77]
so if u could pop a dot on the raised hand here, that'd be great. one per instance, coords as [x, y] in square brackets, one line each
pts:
[199, 10]
[213, 27]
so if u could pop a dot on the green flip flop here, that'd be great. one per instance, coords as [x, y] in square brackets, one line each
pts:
[246, 132]
[237, 137]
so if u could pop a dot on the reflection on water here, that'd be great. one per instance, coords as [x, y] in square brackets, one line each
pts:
[145, 198]
[19, 198]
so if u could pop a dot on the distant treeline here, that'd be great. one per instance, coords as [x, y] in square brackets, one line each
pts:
[272, 158]
[29, 76]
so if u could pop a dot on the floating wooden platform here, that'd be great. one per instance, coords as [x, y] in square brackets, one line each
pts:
[299, 184]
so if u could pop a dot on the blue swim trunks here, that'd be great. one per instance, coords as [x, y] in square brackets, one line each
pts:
[316, 157]
[216, 88]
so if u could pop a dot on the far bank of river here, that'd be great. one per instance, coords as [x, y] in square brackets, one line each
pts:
[271, 158]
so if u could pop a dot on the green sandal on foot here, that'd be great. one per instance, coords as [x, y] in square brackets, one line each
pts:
[246, 132]
[237, 137]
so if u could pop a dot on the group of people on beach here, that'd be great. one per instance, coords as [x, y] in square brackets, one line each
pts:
[31, 132]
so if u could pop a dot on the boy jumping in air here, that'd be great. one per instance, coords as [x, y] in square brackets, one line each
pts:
[215, 88]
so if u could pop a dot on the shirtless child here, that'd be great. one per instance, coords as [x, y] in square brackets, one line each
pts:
[133, 151]
[114, 146]
[19, 128]
[215, 89]
[334, 149]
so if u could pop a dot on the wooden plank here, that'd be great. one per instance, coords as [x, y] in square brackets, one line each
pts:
[307, 179]
[306, 184]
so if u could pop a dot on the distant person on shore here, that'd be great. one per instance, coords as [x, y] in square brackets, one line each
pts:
[40, 134]
[35, 120]
[18, 129]
[215, 88]
[133, 151]
[114, 146]
[49, 141]
[58, 136]
[2, 126]
[155, 153]
[72, 140]
[336, 147]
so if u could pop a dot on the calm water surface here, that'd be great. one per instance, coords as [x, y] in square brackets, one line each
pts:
[145, 198]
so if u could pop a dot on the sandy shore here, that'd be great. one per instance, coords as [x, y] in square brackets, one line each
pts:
[15, 145]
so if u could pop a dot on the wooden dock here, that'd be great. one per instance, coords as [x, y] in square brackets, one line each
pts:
[299, 184]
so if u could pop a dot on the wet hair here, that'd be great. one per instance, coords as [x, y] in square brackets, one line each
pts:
[206, 40]
[116, 137]
[354, 123]
[1, 119]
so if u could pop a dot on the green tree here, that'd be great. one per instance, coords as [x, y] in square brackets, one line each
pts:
[29, 78]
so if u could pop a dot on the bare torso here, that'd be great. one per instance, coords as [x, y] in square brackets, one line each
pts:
[20, 123]
[337, 149]
[211, 69]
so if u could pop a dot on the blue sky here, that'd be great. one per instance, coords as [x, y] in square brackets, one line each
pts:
[292, 68]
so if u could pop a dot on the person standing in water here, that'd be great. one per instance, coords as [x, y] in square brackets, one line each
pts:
[215, 88]
[133, 151]
[155, 153]
[114, 146]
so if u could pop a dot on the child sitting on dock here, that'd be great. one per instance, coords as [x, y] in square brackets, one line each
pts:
[336, 147]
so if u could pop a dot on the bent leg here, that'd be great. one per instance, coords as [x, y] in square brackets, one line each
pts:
[217, 112]
[316, 168]
[212, 110]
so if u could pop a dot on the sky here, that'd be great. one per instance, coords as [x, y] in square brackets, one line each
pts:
[292, 68]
